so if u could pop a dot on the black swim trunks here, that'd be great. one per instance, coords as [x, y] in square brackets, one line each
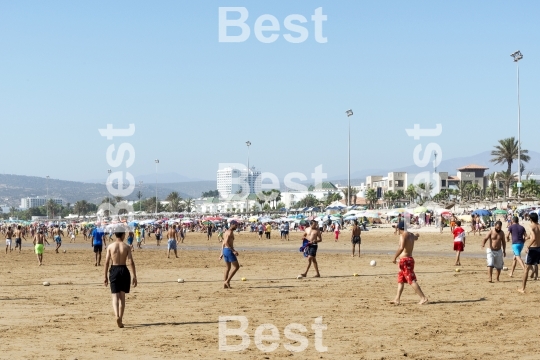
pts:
[533, 256]
[120, 279]
[312, 250]
[98, 248]
[356, 240]
[18, 241]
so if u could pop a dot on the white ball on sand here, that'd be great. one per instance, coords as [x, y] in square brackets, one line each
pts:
[46, 283]
[180, 280]
[64, 251]
[355, 274]
[505, 268]
[458, 270]
[299, 277]
[243, 279]
[373, 263]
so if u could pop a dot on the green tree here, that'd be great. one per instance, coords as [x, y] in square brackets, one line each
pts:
[308, 201]
[211, 193]
[371, 197]
[507, 178]
[507, 151]
[411, 193]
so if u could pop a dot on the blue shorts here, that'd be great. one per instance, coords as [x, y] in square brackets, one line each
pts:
[58, 239]
[228, 255]
[130, 240]
[171, 244]
[517, 248]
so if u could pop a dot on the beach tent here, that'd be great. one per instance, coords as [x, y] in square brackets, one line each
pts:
[481, 212]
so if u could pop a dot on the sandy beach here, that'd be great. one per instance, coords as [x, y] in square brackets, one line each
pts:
[466, 318]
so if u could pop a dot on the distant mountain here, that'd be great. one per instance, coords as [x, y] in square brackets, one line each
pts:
[15, 187]
[162, 178]
[450, 166]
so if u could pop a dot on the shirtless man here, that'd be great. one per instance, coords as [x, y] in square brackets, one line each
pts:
[229, 254]
[533, 249]
[39, 238]
[18, 235]
[172, 235]
[118, 253]
[8, 236]
[495, 255]
[314, 236]
[57, 232]
[355, 237]
[158, 235]
[406, 264]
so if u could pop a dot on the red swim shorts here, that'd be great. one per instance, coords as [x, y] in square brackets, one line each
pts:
[459, 246]
[406, 273]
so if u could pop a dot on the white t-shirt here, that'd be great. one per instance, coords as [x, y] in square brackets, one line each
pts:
[337, 227]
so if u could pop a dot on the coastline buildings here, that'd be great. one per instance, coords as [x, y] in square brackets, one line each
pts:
[230, 181]
[28, 202]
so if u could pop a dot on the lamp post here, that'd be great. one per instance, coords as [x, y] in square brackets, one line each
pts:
[248, 143]
[46, 200]
[349, 114]
[518, 56]
[109, 171]
[140, 187]
[157, 162]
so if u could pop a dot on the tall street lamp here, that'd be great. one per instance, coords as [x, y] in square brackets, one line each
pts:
[140, 187]
[248, 143]
[518, 56]
[157, 162]
[46, 200]
[349, 114]
[109, 171]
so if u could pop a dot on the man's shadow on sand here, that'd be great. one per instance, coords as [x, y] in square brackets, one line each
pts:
[455, 301]
[171, 324]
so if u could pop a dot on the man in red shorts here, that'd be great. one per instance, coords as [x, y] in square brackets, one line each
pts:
[406, 264]
[459, 241]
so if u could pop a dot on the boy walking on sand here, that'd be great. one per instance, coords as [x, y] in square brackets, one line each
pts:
[119, 277]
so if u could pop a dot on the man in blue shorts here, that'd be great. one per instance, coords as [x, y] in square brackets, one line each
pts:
[518, 241]
[172, 241]
[98, 240]
[229, 254]
[533, 250]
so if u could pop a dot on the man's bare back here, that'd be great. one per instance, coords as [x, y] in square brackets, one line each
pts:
[407, 239]
[534, 235]
[118, 252]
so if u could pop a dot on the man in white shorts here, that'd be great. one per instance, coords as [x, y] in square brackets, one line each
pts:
[9, 235]
[496, 250]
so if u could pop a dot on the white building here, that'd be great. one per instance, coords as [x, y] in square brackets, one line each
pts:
[28, 202]
[230, 181]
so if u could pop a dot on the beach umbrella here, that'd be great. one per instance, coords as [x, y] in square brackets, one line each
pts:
[481, 212]
[393, 213]
[420, 210]
[500, 212]
[302, 222]
[350, 217]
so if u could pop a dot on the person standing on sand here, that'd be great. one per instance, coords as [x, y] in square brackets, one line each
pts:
[8, 236]
[406, 265]
[39, 238]
[495, 255]
[57, 233]
[533, 250]
[119, 277]
[98, 240]
[518, 234]
[355, 237]
[314, 236]
[459, 242]
[229, 255]
[19, 235]
[172, 241]
[336, 231]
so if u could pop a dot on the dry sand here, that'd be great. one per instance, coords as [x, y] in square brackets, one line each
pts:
[467, 317]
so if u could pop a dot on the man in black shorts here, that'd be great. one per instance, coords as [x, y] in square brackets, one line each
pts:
[533, 250]
[117, 255]
[314, 237]
[355, 237]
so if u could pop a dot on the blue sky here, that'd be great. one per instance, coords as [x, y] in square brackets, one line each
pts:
[69, 68]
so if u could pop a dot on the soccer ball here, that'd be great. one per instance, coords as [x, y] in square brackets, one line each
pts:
[355, 274]
[373, 263]
[457, 270]
[46, 283]
[299, 277]
[64, 251]
[243, 279]
[180, 280]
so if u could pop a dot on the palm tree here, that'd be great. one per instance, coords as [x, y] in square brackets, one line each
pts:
[174, 201]
[389, 197]
[108, 200]
[424, 190]
[276, 195]
[371, 197]
[411, 193]
[507, 178]
[507, 152]
[492, 185]
[189, 203]
[531, 187]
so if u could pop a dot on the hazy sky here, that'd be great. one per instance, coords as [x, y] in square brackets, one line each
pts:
[69, 68]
